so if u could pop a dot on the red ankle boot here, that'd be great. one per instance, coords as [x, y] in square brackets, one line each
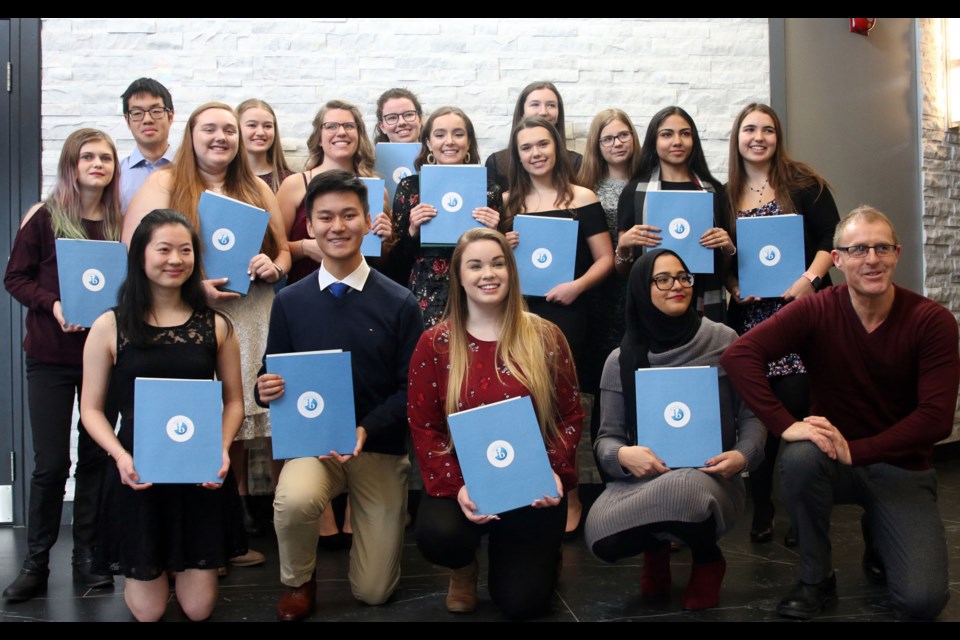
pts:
[655, 579]
[703, 590]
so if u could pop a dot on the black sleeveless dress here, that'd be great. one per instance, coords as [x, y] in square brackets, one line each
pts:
[168, 527]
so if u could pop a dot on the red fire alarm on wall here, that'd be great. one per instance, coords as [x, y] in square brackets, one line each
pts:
[862, 25]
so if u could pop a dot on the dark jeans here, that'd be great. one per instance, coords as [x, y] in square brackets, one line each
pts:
[524, 550]
[51, 390]
[901, 516]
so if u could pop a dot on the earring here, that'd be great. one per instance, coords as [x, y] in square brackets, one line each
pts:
[431, 159]
[466, 159]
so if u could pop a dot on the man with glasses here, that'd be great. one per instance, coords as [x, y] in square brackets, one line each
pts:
[148, 110]
[884, 371]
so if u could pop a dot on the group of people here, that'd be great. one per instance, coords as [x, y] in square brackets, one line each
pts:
[859, 380]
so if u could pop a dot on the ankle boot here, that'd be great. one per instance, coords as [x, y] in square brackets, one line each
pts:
[703, 590]
[462, 592]
[83, 573]
[655, 579]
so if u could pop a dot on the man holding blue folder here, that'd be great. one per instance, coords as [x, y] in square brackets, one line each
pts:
[346, 305]
[884, 371]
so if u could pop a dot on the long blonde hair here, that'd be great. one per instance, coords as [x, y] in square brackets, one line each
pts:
[364, 157]
[63, 203]
[278, 163]
[595, 167]
[240, 184]
[529, 347]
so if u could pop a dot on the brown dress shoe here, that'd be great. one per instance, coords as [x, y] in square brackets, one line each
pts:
[462, 592]
[297, 603]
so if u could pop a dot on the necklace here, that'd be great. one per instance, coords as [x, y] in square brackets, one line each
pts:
[759, 191]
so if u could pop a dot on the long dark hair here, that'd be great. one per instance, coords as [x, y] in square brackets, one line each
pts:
[518, 112]
[135, 298]
[563, 178]
[696, 163]
[785, 174]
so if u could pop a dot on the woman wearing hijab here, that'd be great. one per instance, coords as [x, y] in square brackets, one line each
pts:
[648, 505]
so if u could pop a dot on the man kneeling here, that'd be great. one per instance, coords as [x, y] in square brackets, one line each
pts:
[884, 371]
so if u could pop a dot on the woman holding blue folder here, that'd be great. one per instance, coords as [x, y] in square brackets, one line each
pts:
[447, 139]
[766, 181]
[163, 328]
[647, 505]
[83, 204]
[489, 348]
[212, 157]
[672, 159]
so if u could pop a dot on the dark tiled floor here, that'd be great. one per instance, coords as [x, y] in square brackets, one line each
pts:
[589, 590]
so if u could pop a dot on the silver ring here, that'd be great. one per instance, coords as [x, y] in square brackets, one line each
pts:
[642, 233]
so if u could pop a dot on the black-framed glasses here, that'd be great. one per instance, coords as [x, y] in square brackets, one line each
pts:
[332, 127]
[665, 282]
[623, 136]
[156, 113]
[393, 118]
[883, 250]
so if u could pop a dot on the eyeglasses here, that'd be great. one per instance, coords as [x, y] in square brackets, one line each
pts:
[861, 250]
[665, 282]
[156, 113]
[332, 127]
[393, 118]
[623, 136]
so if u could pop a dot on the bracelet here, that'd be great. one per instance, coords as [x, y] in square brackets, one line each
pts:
[732, 253]
[621, 260]
[301, 248]
[117, 457]
[279, 270]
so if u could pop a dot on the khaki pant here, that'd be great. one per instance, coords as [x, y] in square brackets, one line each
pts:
[377, 484]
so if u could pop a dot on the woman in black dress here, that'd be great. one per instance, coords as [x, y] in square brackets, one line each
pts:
[163, 328]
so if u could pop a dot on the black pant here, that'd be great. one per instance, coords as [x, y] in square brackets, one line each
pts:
[51, 390]
[794, 392]
[524, 550]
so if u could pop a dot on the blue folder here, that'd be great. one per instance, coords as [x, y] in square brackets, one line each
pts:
[90, 274]
[394, 162]
[678, 414]
[372, 244]
[315, 415]
[232, 233]
[178, 437]
[502, 456]
[683, 216]
[547, 253]
[455, 190]
[770, 254]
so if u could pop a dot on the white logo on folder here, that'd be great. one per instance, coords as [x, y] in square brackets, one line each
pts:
[500, 453]
[676, 415]
[93, 280]
[452, 201]
[541, 258]
[769, 255]
[679, 228]
[180, 428]
[223, 239]
[310, 404]
[400, 173]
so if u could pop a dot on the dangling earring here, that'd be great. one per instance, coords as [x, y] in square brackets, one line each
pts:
[431, 159]
[466, 159]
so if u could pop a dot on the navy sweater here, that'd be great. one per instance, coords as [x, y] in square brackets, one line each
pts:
[379, 326]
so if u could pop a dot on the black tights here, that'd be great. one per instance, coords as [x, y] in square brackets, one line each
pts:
[701, 537]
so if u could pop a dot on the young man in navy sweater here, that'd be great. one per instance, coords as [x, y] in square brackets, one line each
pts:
[346, 305]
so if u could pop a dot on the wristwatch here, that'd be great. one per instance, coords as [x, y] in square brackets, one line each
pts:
[815, 280]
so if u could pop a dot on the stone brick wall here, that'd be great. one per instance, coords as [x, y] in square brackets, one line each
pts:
[941, 177]
[711, 67]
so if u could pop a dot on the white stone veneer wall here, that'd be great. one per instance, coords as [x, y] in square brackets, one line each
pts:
[710, 67]
[940, 165]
